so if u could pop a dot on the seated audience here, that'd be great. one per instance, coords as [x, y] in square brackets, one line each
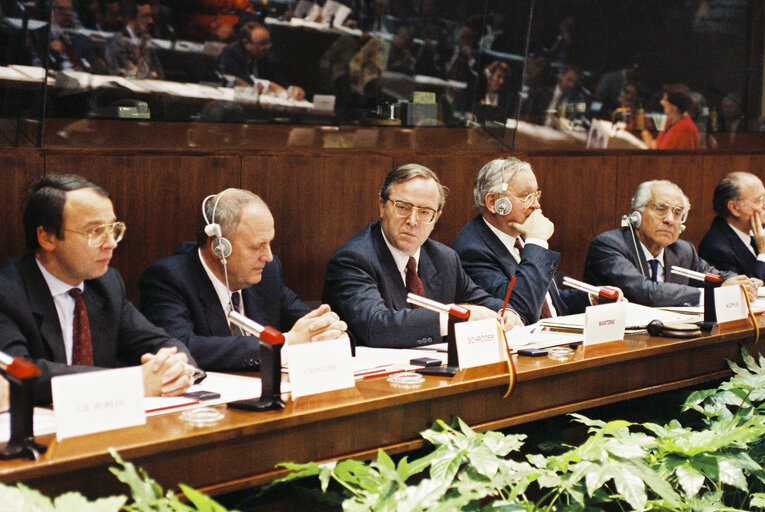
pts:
[493, 86]
[640, 261]
[251, 63]
[68, 49]
[129, 52]
[63, 308]
[509, 238]
[368, 278]
[190, 293]
[629, 113]
[562, 98]
[736, 239]
[378, 55]
[679, 130]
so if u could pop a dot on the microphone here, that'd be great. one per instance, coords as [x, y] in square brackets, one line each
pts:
[265, 333]
[658, 328]
[18, 367]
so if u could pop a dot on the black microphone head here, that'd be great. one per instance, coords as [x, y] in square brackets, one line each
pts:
[655, 327]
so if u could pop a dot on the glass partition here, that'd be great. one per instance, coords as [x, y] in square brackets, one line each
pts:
[524, 73]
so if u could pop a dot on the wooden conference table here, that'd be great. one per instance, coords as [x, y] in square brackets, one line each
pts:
[241, 450]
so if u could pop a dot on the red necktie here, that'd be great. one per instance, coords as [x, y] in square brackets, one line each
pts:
[545, 312]
[82, 348]
[413, 283]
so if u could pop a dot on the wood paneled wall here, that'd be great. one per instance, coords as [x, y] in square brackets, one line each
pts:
[320, 198]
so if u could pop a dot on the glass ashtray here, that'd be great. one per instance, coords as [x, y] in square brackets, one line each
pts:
[406, 379]
[202, 415]
[560, 353]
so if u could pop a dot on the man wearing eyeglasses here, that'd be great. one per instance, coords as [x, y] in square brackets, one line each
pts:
[62, 307]
[736, 239]
[509, 238]
[368, 278]
[639, 259]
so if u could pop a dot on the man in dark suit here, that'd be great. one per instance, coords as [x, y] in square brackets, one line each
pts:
[190, 293]
[736, 239]
[62, 307]
[251, 63]
[368, 278]
[509, 238]
[640, 261]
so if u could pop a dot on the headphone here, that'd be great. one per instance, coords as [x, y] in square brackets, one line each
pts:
[632, 220]
[221, 247]
[503, 205]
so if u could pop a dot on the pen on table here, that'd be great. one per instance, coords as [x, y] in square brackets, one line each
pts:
[382, 374]
[588, 288]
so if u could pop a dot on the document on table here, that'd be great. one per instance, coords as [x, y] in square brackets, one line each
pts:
[44, 423]
[535, 336]
[376, 362]
[638, 317]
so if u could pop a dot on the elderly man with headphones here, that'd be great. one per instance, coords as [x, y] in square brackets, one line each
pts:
[639, 256]
[191, 292]
[508, 238]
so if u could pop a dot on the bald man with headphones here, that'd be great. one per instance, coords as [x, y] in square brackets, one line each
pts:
[231, 267]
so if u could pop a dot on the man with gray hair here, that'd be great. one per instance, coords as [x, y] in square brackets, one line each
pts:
[368, 278]
[509, 238]
[191, 292]
[736, 239]
[638, 258]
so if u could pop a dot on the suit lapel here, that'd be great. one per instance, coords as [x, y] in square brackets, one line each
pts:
[738, 248]
[391, 275]
[495, 245]
[217, 324]
[671, 260]
[636, 253]
[43, 309]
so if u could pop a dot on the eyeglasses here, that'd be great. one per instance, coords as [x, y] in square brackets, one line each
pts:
[528, 200]
[678, 212]
[97, 236]
[403, 209]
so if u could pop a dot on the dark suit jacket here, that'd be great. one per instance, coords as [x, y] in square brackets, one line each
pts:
[30, 328]
[488, 262]
[365, 288]
[235, 60]
[177, 295]
[723, 248]
[611, 259]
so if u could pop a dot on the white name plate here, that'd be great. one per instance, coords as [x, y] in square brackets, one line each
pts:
[480, 342]
[323, 102]
[320, 366]
[730, 304]
[90, 402]
[604, 323]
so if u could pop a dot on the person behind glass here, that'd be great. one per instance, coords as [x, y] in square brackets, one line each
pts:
[679, 130]
[368, 278]
[736, 239]
[493, 87]
[564, 95]
[639, 259]
[509, 238]
[68, 49]
[63, 308]
[129, 52]
[629, 113]
[251, 63]
[191, 292]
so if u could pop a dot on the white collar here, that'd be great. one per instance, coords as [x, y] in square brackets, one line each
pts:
[649, 256]
[745, 237]
[56, 285]
[507, 240]
[400, 257]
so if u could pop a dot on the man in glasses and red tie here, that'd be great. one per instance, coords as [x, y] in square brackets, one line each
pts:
[509, 238]
[62, 307]
[368, 278]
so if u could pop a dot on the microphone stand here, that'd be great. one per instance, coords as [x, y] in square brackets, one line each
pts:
[271, 343]
[21, 376]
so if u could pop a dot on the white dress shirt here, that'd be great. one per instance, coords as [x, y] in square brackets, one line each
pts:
[64, 302]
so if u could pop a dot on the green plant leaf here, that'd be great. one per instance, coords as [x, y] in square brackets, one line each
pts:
[21, 498]
[730, 474]
[628, 484]
[689, 479]
[201, 501]
[76, 502]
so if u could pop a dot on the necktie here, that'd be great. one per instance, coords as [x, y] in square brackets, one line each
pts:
[82, 348]
[413, 283]
[235, 302]
[545, 311]
[654, 270]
